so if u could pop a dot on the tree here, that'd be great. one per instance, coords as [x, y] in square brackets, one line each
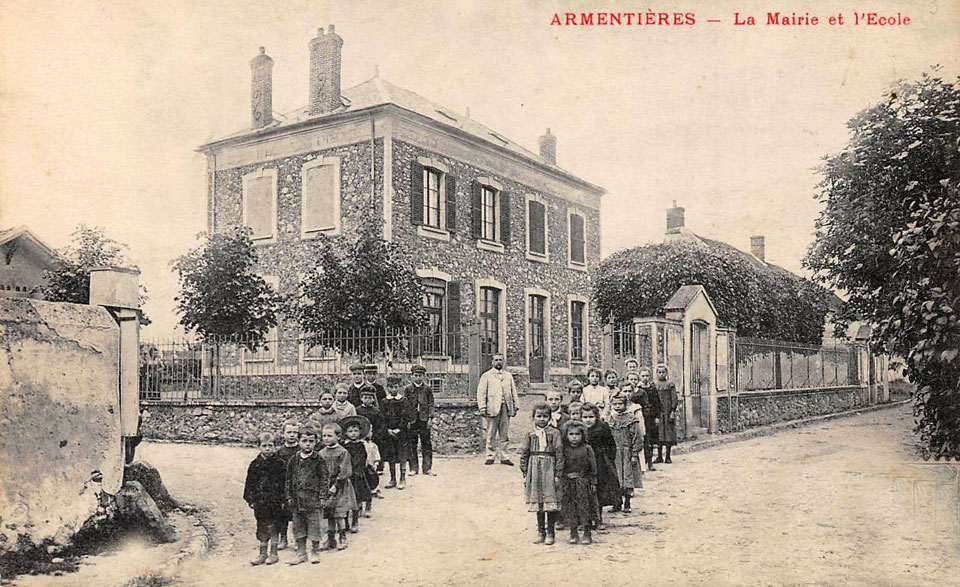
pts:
[889, 235]
[364, 282]
[766, 302]
[69, 280]
[221, 296]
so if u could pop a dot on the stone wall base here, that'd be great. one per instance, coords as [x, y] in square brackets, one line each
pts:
[749, 410]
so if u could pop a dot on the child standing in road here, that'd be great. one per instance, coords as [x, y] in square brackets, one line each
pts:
[604, 448]
[597, 394]
[396, 417]
[555, 403]
[669, 405]
[575, 390]
[340, 403]
[342, 499]
[574, 409]
[307, 485]
[263, 491]
[369, 410]
[355, 428]
[578, 483]
[290, 432]
[327, 414]
[541, 462]
[628, 435]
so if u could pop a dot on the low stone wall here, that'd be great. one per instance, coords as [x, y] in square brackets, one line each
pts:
[456, 427]
[749, 410]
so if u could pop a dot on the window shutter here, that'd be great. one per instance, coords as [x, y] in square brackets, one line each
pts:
[454, 348]
[577, 252]
[536, 228]
[451, 202]
[416, 193]
[476, 208]
[505, 219]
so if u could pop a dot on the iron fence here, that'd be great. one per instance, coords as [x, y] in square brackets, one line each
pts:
[291, 367]
[769, 364]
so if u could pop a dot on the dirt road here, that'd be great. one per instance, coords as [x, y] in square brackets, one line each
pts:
[834, 503]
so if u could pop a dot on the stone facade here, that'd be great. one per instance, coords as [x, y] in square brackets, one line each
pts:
[456, 427]
[749, 410]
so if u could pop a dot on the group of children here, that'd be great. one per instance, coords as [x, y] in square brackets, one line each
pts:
[326, 489]
[593, 451]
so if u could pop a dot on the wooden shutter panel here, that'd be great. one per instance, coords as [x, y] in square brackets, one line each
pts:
[536, 228]
[476, 210]
[416, 193]
[577, 245]
[454, 345]
[451, 202]
[505, 219]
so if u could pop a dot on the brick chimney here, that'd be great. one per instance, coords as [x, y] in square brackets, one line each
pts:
[261, 90]
[674, 219]
[548, 147]
[758, 247]
[325, 71]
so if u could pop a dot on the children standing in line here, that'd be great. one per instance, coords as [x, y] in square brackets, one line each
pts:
[578, 483]
[342, 498]
[555, 403]
[395, 414]
[669, 405]
[307, 487]
[343, 407]
[354, 429]
[604, 448]
[326, 414]
[290, 432]
[596, 394]
[628, 436]
[263, 491]
[541, 462]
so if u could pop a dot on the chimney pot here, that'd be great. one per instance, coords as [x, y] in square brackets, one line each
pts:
[674, 218]
[325, 51]
[548, 147]
[261, 90]
[758, 247]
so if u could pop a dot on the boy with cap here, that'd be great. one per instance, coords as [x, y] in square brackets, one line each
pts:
[357, 383]
[368, 409]
[420, 398]
[370, 374]
[396, 419]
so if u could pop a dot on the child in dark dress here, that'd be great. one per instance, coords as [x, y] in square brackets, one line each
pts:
[263, 491]
[355, 428]
[669, 405]
[578, 483]
[396, 416]
[604, 448]
[307, 485]
[369, 409]
[290, 432]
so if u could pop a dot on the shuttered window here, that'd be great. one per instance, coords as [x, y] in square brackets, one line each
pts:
[577, 241]
[489, 320]
[260, 203]
[536, 228]
[320, 205]
[577, 339]
[431, 197]
[489, 217]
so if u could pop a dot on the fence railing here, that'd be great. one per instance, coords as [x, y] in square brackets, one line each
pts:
[289, 367]
[768, 365]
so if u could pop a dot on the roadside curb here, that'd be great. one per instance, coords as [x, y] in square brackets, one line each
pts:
[771, 429]
[196, 545]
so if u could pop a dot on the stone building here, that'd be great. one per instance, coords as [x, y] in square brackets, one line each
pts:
[24, 259]
[504, 238]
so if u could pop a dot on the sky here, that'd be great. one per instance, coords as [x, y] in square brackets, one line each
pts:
[103, 103]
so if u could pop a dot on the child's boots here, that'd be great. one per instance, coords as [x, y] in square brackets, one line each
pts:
[367, 507]
[331, 543]
[587, 536]
[343, 540]
[574, 535]
[626, 504]
[355, 524]
[263, 555]
[551, 525]
[283, 541]
[668, 461]
[272, 558]
[403, 479]
[541, 529]
[315, 550]
[301, 552]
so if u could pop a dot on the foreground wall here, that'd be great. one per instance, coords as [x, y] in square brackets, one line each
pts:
[456, 427]
[752, 409]
[59, 418]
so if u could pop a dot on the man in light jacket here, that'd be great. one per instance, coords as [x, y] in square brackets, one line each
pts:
[497, 401]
